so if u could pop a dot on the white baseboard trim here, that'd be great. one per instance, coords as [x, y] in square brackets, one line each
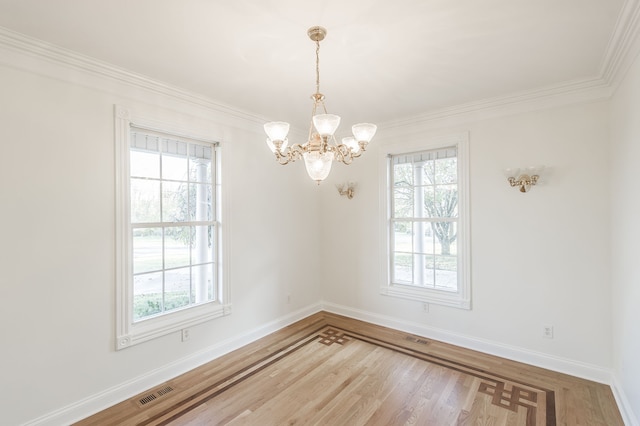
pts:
[109, 397]
[539, 359]
[624, 405]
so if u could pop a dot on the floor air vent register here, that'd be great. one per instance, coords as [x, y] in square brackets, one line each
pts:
[155, 395]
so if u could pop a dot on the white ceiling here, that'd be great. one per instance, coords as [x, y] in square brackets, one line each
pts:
[381, 60]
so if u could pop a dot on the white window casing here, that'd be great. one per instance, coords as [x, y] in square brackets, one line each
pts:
[199, 308]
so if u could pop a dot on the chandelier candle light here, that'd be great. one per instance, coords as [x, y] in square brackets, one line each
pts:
[321, 148]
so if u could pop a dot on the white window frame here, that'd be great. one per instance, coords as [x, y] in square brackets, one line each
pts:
[462, 297]
[128, 331]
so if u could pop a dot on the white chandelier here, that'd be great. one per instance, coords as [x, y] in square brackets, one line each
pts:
[321, 148]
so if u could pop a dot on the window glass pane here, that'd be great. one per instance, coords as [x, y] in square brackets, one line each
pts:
[403, 201]
[177, 284]
[203, 285]
[145, 164]
[202, 246]
[428, 202]
[147, 250]
[428, 274]
[403, 237]
[428, 239]
[175, 202]
[200, 170]
[446, 170]
[446, 234]
[418, 236]
[403, 268]
[200, 196]
[177, 240]
[453, 245]
[446, 272]
[446, 201]
[145, 201]
[428, 172]
[174, 167]
[147, 295]
[446, 262]
[403, 174]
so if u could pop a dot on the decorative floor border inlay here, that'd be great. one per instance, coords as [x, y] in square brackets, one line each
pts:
[509, 399]
[505, 392]
[330, 336]
[513, 398]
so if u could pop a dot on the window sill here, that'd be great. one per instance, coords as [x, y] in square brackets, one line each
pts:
[152, 328]
[436, 297]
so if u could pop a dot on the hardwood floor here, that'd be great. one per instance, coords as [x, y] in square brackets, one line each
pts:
[332, 370]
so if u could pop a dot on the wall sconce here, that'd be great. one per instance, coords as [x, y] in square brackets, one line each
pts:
[348, 189]
[525, 179]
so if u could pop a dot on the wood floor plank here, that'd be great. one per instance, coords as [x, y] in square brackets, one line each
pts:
[333, 370]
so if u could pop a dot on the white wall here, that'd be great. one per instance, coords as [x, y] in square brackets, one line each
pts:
[537, 258]
[625, 204]
[57, 253]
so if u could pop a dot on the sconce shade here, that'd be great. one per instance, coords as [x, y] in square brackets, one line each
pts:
[326, 124]
[535, 170]
[364, 131]
[272, 146]
[512, 173]
[277, 130]
[351, 143]
[318, 164]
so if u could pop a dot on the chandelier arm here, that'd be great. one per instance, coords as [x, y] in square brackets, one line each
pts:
[356, 154]
[291, 154]
[343, 154]
[281, 158]
[363, 148]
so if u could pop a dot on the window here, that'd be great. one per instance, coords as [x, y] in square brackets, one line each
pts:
[426, 222]
[172, 223]
[169, 274]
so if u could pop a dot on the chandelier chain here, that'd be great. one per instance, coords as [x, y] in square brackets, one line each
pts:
[317, 66]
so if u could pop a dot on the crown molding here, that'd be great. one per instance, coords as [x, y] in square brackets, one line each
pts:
[624, 44]
[577, 91]
[28, 48]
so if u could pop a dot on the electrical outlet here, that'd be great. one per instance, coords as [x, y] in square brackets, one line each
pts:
[547, 332]
[288, 297]
[425, 307]
[185, 334]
